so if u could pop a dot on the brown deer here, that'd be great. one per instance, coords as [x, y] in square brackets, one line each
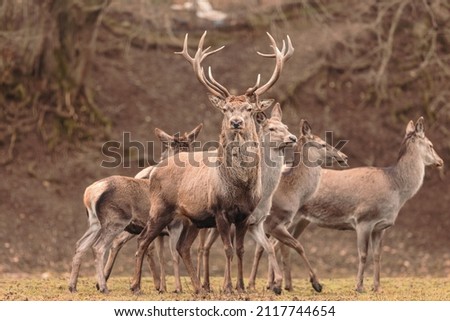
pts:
[299, 182]
[368, 199]
[119, 204]
[214, 191]
[171, 146]
[273, 143]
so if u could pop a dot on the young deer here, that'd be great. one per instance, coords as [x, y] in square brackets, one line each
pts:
[119, 205]
[213, 191]
[171, 146]
[297, 185]
[275, 138]
[368, 199]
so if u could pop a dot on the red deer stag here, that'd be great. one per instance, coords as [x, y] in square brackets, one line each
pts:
[275, 138]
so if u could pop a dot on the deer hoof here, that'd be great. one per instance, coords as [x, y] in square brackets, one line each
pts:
[72, 289]
[288, 287]
[104, 290]
[136, 290]
[360, 289]
[317, 286]
[276, 289]
[228, 290]
[377, 289]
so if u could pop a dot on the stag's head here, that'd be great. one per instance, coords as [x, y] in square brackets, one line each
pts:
[173, 144]
[238, 110]
[415, 139]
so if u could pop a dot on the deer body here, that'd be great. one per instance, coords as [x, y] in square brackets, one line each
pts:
[275, 137]
[295, 186]
[368, 199]
[118, 207]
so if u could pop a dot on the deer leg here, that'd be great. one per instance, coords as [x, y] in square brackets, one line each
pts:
[362, 237]
[162, 263]
[241, 230]
[377, 240]
[223, 226]
[200, 250]
[283, 235]
[82, 246]
[160, 217]
[100, 247]
[286, 261]
[213, 234]
[298, 229]
[256, 258]
[257, 231]
[184, 244]
[117, 244]
[174, 236]
[156, 273]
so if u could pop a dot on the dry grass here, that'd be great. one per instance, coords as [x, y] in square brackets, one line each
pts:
[55, 289]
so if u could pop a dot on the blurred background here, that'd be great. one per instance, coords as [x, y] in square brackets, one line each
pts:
[77, 73]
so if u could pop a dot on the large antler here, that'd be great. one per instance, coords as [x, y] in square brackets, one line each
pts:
[281, 57]
[211, 84]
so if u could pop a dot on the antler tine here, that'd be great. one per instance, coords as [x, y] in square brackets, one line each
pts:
[184, 52]
[212, 85]
[216, 83]
[281, 57]
[251, 90]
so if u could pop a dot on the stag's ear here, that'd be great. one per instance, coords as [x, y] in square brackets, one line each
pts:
[419, 127]
[260, 118]
[217, 102]
[194, 133]
[163, 136]
[410, 128]
[305, 128]
[276, 112]
[265, 103]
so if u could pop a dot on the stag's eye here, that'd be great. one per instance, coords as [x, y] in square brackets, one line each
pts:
[271, 129]
[249, 108]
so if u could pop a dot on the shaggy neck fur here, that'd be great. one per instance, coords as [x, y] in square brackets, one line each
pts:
[240, 168]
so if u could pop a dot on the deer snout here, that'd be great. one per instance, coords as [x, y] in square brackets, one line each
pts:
[342, 158]
[293, 138]
[236, 123]
[439, 163]
[289, 140]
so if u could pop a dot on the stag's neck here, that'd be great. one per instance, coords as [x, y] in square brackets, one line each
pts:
[240, 168]
[408, 173]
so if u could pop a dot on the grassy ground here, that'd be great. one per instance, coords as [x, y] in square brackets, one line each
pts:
[394, 289]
